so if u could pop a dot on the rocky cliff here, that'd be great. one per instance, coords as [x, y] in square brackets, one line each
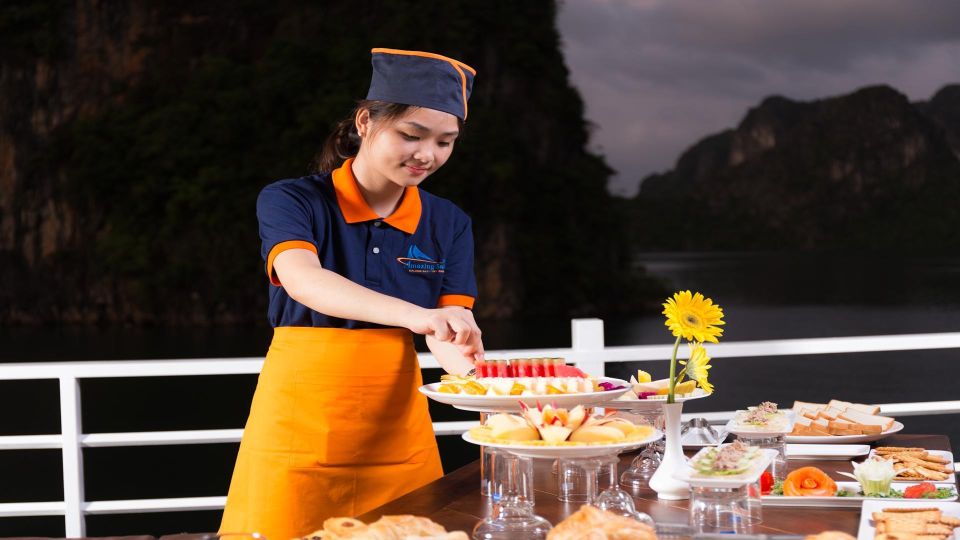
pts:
[134, 137]
[865, 171]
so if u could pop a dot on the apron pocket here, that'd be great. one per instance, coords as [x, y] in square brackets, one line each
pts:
[356, 424]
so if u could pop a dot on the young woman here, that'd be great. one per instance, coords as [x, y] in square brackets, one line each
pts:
[360, 259]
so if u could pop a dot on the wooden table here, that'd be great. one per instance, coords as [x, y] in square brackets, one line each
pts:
[455, 502]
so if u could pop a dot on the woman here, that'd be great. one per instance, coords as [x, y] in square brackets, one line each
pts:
[359, 259]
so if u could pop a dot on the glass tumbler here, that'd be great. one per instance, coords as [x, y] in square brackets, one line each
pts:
[779, 466]
[719, 510]
[577, 480]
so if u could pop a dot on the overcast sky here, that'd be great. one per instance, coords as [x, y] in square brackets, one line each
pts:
[659, 75]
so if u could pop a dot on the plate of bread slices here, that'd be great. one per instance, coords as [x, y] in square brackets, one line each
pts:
[839, 422]
[550, 432]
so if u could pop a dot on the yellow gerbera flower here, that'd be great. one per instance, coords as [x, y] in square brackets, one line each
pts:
[697, 366]
[694, 317]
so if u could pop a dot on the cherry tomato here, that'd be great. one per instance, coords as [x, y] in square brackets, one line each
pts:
[917, 491]
[766, 483]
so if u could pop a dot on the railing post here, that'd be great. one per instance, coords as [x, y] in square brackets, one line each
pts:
[72, 457]
[587, 336]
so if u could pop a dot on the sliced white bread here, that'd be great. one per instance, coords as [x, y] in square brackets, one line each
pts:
[805, 426]
[818, 430]
[854, 415]
[800, 406]
[843, 428]
[834, 411]
[839, 404]
[869, 409]
[801, 426]
[821, 424]
[869, 429]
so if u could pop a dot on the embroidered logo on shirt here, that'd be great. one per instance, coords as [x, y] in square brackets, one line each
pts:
[419, 262]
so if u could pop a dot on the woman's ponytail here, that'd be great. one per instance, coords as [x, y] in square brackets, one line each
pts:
[344, 141]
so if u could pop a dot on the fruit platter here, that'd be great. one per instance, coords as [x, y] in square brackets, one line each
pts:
[546, 431]
[646, 394]
[501, 386]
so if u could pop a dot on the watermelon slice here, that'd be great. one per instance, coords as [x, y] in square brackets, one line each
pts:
[570, 371]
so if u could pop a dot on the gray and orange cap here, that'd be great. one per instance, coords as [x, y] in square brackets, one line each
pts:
[422, 79]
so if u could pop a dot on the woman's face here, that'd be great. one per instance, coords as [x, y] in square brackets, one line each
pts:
[410, 148]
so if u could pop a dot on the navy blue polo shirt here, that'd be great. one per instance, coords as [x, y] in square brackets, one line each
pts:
[422, 253]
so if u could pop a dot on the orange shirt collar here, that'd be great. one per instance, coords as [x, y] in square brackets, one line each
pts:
[355, 209]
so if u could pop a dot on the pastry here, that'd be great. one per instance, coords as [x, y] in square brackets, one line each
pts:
[401, 527]
[589, 523]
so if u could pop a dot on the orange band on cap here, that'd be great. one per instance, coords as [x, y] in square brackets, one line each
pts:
[425, 55]
[463, 83]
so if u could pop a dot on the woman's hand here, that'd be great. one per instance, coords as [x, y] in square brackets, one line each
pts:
[454, 325]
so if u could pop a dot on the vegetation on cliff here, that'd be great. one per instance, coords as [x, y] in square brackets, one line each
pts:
[180, 112]
[868, 171]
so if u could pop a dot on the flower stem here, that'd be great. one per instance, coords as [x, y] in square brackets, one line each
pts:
[673, 371]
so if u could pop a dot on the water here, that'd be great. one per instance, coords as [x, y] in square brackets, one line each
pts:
[764, 296]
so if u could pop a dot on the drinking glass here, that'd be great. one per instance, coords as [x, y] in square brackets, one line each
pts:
[577, 480]
[637, 476]
[488, 460]
[612, 498]
[512, 516]
[719, 510]
[778, 468]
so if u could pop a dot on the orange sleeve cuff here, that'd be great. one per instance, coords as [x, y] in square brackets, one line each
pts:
[280, 248]
[456, 300]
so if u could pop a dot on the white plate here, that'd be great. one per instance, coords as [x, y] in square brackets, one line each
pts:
[826, 451]
[751, 432]
[839, 439]
[552, 452]
[867, 528]
[512, 403]
[853, 501]
[942, 453]
[760, 464]
[649, 404]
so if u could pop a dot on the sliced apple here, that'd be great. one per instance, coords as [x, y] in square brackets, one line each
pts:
[576, 417]
[624, 426]
[653, 386]
[508, 426]
[595, 433]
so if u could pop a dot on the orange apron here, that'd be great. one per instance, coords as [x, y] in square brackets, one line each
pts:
[337, 428]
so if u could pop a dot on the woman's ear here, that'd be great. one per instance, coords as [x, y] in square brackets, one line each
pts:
[362, 122]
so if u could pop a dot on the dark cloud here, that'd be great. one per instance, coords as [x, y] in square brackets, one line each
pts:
[657, 75]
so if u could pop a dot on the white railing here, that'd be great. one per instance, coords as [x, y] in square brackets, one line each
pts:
[587, 351]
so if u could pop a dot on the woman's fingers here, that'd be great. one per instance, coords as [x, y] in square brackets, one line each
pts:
[461, 329]
[458, 327]
[441, 330]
